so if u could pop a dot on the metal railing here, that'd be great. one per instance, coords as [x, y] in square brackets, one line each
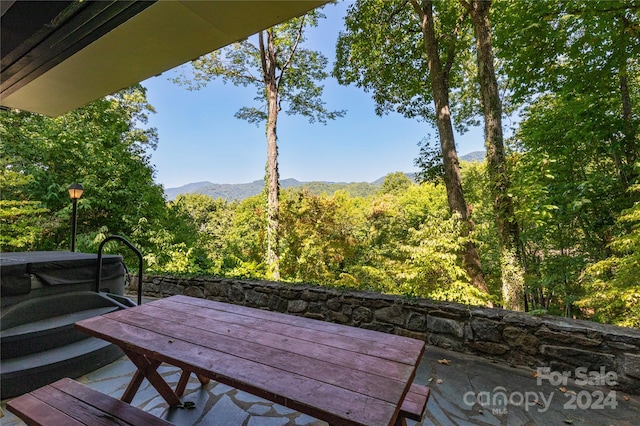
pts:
[135, 250]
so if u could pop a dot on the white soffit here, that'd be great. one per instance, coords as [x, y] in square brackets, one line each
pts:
[161, 37]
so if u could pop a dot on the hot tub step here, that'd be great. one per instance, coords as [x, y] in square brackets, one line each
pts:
[45, 334]
[23, 374]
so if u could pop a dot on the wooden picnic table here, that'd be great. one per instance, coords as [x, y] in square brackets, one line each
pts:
[336, 373]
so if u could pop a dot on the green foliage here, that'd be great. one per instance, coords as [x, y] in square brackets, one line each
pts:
[402, 240]
[433, 249]
[297, 75]
[429, 162]
[612, 288]
[245, 242]
[572, 165]
[99, 146]
[395, 183]
[476, 188]
[317, 240]
[103, 147]
[568, 192]
[382, 51]
[577, 145]
[572, 46]
[20, 218]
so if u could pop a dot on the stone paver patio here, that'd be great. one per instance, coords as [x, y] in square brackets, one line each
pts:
[465, 390]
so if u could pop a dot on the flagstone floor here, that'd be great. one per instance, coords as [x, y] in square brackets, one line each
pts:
[465, 390]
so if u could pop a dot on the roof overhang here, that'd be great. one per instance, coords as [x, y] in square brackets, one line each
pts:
[60, 55]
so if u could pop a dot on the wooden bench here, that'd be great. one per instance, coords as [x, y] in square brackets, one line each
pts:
[67, 402]
[414, 403]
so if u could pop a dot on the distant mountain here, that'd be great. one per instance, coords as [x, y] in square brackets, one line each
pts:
[230, 191]
[189, 188]
[379, 181]
[240, 191]
[474, 156]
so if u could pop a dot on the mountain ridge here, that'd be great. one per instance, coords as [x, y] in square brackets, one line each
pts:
[240, 191]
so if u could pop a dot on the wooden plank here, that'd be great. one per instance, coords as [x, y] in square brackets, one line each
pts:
[380, 345]
[73, 407]
[313, 324]
[318, 399]
[67, 402]
[332, 372]
[107, 404]
[34, 412]
[306, 329]
[318, 350]
[415, 402]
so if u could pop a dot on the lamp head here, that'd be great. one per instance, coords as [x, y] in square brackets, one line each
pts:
[75, 191]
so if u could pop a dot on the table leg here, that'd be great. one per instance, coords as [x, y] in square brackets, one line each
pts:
[203, 380]
[184, 378]
[182, 383]
[148, 369]
[400, 421]
[135, 383]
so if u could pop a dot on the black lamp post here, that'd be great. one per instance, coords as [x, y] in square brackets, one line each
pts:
[75, 192]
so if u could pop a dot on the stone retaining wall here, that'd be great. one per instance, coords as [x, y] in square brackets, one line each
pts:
[563, 345]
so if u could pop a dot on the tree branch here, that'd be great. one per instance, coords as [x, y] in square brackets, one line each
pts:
[451, 51]
[263, 57]
[293, 49]
[399, 9]
[466, 5]
[417, 8]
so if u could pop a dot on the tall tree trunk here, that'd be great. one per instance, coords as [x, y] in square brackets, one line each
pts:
[508, 231]
[272, 177]
[629, 148]
[453, 182]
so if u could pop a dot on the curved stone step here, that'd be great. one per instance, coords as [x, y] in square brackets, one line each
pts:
[46, 334]
[24, 374]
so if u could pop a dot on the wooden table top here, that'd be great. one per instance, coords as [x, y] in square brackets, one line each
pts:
[337, 373]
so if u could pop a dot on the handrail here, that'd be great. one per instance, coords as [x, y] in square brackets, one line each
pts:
[135, 250]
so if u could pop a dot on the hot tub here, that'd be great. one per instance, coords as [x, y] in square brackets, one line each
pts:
[42, 295]
[25, 275]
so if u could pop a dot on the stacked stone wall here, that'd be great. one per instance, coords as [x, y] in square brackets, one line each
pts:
[519, 339]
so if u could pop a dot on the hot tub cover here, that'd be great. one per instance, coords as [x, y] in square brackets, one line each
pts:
[53, 268]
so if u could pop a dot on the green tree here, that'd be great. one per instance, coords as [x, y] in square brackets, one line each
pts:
[285, 75]
[211, 220]
[568, 193]
[411, 59]
[409, 245]
[395, 183]
[506, 225]
[319, 236]
[477, 189]
[21, 221]
[104, 146]
[575, 48]
[575, 64]
[612, 289]
[246, 241]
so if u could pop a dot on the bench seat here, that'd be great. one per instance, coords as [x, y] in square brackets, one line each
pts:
[67, 402]
[415, 403]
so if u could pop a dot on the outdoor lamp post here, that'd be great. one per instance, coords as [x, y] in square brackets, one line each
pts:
[75, 192]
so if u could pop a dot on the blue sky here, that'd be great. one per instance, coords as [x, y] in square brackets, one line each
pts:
[201, 140]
